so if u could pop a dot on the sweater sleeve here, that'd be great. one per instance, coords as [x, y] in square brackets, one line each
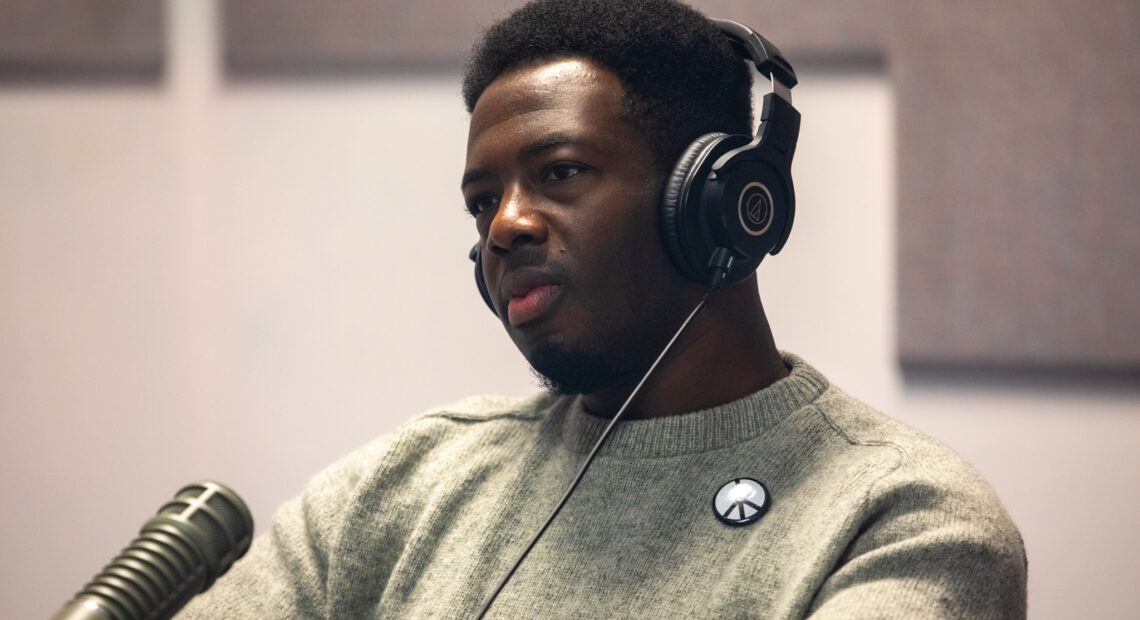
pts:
[926, 549]
[284, 574]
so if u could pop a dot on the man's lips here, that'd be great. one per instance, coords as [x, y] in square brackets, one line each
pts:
[530, 286]
[528, 302]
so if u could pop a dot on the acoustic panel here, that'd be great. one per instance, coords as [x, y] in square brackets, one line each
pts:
[80, 40]
[1019, 172]
[274, 38]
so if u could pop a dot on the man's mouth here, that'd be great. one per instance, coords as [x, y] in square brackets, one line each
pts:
[528, 303]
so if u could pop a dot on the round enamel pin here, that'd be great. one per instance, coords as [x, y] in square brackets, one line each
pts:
[741, 502]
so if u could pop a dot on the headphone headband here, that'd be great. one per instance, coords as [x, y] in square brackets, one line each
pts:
[769, 61]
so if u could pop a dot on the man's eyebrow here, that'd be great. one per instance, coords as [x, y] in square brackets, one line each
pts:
[551, 141]
[544, 143]
[473, 175]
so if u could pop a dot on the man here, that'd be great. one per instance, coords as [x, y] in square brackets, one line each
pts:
[740, 483]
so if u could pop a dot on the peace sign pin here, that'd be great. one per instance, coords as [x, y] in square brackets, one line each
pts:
[741, 502]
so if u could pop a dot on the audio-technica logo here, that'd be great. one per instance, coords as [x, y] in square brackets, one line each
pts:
[754, 207]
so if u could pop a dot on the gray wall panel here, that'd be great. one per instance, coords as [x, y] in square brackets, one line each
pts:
[80, 39]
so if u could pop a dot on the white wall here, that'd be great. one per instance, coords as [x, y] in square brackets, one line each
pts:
[244, 282]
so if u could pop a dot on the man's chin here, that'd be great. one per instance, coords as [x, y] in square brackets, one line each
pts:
[566, 371]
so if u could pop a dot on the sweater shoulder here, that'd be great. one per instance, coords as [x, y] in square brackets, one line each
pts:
[420, 438]
[919, 499]
[920, 471]
[461, 421]
[904, 464]
[860, 424]
[489, 407]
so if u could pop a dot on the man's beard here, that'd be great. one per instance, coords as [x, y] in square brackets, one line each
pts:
[602, 359]
[589, 368]
[566, 371]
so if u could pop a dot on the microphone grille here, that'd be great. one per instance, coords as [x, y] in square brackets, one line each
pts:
[218, 516]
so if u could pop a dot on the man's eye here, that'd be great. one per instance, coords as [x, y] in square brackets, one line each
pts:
[563, 172]
[479, 204]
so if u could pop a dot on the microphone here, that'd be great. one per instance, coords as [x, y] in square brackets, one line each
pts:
[180, 552]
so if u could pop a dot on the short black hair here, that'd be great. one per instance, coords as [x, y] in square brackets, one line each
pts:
[680, 76]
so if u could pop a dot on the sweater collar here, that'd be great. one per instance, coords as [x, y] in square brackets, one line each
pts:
[699, 431]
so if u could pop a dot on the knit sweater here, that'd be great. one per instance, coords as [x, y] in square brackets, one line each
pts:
[868, 519]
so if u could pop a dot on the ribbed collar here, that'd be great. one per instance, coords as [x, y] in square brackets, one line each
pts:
[699, 431]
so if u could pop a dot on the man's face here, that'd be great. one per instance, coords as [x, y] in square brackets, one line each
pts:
[564, 193]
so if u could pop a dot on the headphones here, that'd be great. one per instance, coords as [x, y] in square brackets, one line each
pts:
[730, 192]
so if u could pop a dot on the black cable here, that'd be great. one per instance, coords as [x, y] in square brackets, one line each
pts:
[720, 262]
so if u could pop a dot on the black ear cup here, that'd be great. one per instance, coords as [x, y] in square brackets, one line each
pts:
[686, 230]
[476, 255]
[676, 233]
[753, 197]
[726, 191]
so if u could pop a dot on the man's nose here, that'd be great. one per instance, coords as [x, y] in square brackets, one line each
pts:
[518, 221]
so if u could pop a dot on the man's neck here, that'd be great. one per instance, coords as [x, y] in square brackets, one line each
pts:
[727, 354]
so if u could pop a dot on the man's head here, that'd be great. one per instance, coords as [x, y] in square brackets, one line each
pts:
[679, 76]
[579, 109]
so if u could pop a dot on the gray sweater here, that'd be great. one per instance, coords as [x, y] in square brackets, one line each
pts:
[866, 518]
